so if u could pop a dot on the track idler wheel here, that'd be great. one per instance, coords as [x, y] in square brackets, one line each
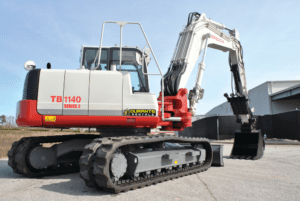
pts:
[248, 145]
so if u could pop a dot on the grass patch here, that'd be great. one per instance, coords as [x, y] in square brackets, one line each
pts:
[68, 130]
[7, 137]
[89, 131]
[10, 128]
[38, 129]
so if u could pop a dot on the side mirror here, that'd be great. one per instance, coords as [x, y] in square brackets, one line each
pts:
[147, 53]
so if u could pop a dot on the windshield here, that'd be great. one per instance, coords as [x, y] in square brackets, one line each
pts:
[89, 57]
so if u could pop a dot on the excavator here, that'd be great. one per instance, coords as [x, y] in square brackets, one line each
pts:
[110, 92]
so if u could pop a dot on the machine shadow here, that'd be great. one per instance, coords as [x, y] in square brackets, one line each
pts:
[73, 184]
[6, 172]
[9, 174]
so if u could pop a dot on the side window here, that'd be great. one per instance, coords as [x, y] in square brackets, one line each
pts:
[131, 65]
[89, 57]
[137, 77]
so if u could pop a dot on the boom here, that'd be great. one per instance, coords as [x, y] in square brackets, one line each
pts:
[200, 33]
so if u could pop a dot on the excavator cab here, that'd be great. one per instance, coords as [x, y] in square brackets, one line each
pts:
[132, 59]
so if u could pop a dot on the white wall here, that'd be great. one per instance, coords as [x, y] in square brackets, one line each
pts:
[276, 86]
[223, 109]
[260, 99]
[280, 106]
[195, 118]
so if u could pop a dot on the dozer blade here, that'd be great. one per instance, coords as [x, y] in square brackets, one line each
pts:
[217, 155]
[248, 145]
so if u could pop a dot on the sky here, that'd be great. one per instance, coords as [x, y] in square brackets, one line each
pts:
[54, 31]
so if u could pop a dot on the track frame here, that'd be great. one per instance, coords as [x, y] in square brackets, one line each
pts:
[96, 158]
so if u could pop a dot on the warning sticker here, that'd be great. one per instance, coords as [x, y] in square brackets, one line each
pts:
[136, 112]
[50, 118]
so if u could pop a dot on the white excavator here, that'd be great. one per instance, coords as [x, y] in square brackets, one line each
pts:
[110, 91]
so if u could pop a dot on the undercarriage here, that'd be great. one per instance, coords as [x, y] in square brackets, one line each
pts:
[114, 164]
[28, 156]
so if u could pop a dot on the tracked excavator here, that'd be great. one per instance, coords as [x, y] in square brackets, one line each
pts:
[110, 91]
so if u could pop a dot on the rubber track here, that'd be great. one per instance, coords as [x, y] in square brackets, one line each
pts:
[95, 162]
[11, 156]
[17, 155]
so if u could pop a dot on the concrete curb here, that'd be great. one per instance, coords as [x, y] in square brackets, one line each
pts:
[267, 142]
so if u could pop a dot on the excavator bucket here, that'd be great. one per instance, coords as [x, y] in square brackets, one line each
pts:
[249, 145]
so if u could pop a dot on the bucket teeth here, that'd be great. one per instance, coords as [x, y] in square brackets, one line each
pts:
[248, 157]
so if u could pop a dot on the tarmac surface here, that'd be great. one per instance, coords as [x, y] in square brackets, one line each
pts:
[274, 177]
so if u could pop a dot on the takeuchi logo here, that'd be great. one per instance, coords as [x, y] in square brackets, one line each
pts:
[216, 38]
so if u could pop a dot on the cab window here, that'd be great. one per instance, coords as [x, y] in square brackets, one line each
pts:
[129, 64]
[138, 81]
[89, 57]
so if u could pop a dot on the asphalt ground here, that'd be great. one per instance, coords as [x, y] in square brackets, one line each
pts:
[274, 177]
[272, 141]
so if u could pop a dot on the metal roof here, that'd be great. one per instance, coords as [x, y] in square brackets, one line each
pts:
[288, 93]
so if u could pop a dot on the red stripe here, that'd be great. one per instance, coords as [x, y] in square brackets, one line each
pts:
[97, 121]
[28, 115]
[174, 106]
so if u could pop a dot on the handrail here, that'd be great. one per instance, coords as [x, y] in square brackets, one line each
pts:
[121, 24]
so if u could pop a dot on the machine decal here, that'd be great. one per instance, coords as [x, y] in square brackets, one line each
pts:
[130, 120]
[136, 112]
[57, 99]
[67, 99]
[214, 37]
[50, 118]
[76, 106]
[72, 99]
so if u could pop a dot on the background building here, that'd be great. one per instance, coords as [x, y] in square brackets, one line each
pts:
[271, 97]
